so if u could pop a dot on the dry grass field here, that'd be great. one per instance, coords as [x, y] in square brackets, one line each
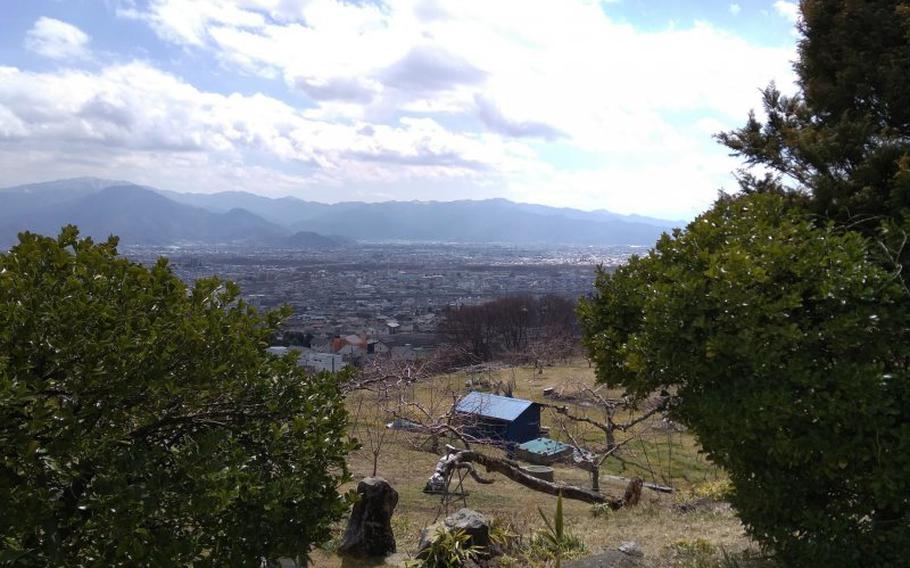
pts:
[667, 535]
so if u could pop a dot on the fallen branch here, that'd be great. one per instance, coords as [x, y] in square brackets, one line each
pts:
[513, 471]
[646, 485]
[474, 475]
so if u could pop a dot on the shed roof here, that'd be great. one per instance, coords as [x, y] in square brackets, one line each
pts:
[493, 406]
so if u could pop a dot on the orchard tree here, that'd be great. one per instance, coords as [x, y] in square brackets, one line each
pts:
[779, 319]
[143, 423]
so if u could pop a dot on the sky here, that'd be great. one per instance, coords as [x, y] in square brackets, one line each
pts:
[573, 103]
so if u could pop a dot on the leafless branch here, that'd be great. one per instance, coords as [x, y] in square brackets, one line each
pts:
[513, 471]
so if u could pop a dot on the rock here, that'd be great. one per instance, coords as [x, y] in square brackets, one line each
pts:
[631, 549]
[472, 523]
[369, 531]
[628, 555]
[428, 535]
[608, 559]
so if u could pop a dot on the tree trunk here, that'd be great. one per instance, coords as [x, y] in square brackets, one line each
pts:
[633, 492]
[611, 437]
[513, 471]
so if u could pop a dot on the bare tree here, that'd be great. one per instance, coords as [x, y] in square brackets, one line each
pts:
[370, 431]
[574, 425]
[383, 374]
[435, 418]
[376, 437]
[513, 471]
[611, 408]
[508, 326]
[432, 417]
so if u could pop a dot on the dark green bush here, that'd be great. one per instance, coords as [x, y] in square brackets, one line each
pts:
[143, 423]
[778, 339]
[781, 318]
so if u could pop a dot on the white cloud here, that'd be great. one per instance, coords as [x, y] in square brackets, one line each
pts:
[564, 65]
[411, 99]
[493, 117]
[735, 9]
[57, 40]
[128, 111]
[787, 9]
[674, 187]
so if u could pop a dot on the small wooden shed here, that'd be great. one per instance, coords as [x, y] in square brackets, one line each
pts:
[492, 417]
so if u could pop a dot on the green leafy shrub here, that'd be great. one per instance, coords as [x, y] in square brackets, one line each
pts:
[781, 317]
[448, 549]
[502, 535]
[143, 423]
[778, 337]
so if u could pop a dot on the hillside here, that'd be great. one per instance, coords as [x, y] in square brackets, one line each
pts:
[310, 240]
[494, 220]
[135, 214]
[691, 528]
[283, 210]
[475, 221]
[145, 215]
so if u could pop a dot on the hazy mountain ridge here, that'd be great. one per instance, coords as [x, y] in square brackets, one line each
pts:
[146, 215]
[291, 210]
[476, 221]
[138, 216]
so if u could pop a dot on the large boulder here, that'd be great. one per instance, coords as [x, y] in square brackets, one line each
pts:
[369, 531]
[631, 548]
[472, 523]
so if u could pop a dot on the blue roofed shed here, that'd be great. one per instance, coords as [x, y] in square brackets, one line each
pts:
[493, 417]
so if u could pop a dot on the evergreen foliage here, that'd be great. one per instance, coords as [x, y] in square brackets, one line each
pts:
[777, 338]
[842, 143]
[780, 317]
[143, 423]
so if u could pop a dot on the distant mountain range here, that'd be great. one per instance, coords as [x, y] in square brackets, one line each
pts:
[145, 215]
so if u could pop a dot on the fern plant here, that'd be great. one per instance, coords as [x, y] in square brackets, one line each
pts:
[448, 549]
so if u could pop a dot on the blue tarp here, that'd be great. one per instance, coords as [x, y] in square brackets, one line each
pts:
[544, 447]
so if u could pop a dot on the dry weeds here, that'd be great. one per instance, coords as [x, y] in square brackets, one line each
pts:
[666, 456]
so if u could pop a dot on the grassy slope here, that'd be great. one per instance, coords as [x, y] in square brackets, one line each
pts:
[655, 525]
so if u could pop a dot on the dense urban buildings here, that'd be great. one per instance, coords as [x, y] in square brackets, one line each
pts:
[393, 291]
